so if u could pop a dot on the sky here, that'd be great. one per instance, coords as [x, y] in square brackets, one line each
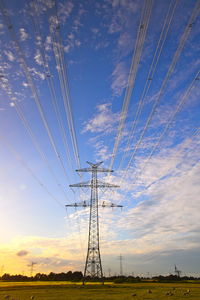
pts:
[114, 81]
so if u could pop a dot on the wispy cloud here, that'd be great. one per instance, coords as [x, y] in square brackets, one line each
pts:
[101, 151]
[48, 43]
[9, 55]
[119, 78]
[37, 74]
[71, 42]
[172, 179]
[38, 58]
[23, 34]
[65, 10]
[103, 121]
[123, 14]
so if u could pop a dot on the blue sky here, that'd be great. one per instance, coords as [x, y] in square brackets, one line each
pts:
[112, 80]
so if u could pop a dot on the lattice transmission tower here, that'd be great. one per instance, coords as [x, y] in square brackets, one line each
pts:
[32, 264]
[120, 263]
[176, 271]
[93, 266]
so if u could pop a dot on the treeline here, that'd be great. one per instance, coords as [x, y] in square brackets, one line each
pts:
[159, 278]
[78, 276]
[171, 277]
[69, 276]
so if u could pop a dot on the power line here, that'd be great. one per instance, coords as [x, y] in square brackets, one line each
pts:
[141, 34]
[54, 102]
[179, 106]
[4, 141]
[196, 133]
[150, 76]
[27, 126]
[53, 94]
[170, 70]
[174, 113]
[31, 84]
[62, 73]
[48, 76]
[64, 84]
[33, 138]
[63, 77]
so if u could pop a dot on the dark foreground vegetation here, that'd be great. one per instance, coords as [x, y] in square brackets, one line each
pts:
[69, 276]
[78, 276]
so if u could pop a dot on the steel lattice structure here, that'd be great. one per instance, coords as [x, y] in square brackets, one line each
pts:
[93, 265]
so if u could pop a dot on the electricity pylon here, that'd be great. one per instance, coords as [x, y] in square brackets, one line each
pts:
[93, 266]
[176, 271]
[121, 267]
[31, 267]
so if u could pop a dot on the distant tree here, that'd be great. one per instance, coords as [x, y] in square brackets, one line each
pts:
[52, 276]
[6, 276]
[77, 276]
[69, 275]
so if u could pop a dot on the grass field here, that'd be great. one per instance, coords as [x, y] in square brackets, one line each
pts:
[67, 291]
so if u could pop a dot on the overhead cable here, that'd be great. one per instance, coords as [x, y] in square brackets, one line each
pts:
[31, 172]
[64, 82]
[31, 84]
[30, 132]
[177, 109]
[150, 76]
[50, 81]
[179, 106]
[141, 34]
[171, 68]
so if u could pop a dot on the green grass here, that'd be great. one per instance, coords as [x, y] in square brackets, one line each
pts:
[68, 291]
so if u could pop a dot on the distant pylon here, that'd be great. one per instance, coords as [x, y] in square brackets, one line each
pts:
[120, 265]
[93, 266]
[109, 272]
[176, 271]
[31, 267]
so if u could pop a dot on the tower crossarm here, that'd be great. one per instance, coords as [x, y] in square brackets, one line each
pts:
[81, 184]
[78, 204]
[104, 204]
[106, 184]
[97, 184]
[87, 204]
[96, 169]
